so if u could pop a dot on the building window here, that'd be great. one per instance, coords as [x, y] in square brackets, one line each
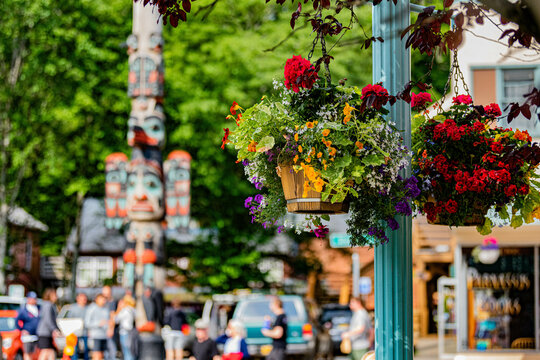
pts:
[515, 84]
[92, 270]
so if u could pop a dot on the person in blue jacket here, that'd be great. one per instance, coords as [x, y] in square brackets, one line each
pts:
[27, 321]
[235, 346]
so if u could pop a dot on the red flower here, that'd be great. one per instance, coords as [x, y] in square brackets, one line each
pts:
[478, 126]
[497, 147]
[451, 206]
[511, 190]
[225, 139]
[375, 96]
[461, 187]
[321, 231]
[234, 107]
[462, 99]
[492, 110]
[420, 100]
[299, 73]
[524, 189]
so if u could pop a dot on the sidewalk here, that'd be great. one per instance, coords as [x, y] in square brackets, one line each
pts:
[427, 348]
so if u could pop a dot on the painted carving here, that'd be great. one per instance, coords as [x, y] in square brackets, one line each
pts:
[146, 125]
[115, 190]
[144, 192]
[177, 186]
[146, 68]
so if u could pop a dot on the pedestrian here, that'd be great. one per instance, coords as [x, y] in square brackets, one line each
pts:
[125, 318]
[27, 321]
[359, 329]
[277, 331]
[78, 310]
[47, 328]
[174, 338]
[97, 323]
[235, 346]
[112, 331]
[204, 348]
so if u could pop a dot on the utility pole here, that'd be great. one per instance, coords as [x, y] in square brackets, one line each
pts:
[393, 261]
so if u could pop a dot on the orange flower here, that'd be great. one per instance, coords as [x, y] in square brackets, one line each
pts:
[309, 125]
[323, 161]
[252, 147]
[328, 143]
[306, 189]
[239, 119]
[319, 155]
[296, 127]
[299, 148]
[318, 184]
[295, 159]
[296, 137]
[424, 154]
[332, 151]
[346, 119]
[359, 145]
[522, 135]
[347, 110]
[225, 139]
[325, 132]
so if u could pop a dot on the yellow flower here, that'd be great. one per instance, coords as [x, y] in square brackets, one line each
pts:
[323, 162]
[299, 148]
[296, 137]
[306, 189]
[325, 132]
[252, 147]
[536, 213]
[348, 109]
[296, 127]
[309, 125]
[318, 184]
[319, 155]
[316, 122]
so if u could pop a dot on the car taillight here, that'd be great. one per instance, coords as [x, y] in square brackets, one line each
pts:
[185, 329]
[307, 331]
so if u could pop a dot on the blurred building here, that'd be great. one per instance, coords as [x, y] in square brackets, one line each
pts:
[23, 233]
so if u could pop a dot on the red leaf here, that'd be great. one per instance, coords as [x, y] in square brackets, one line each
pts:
[459, 20]
[182, 15]
[526, 111]
[173, 20]
[504, 21]
[186, 4]
[448, 3]
[325, 4]
[480, 20]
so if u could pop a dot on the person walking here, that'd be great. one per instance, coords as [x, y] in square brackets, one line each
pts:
[97, 323]
[235, 346]
[47, 328]
[172, 333]
[204, 348]
[278, 330]
[111, 351]
[27, 321]
[78, 310]
[359, 329]
[125, 318]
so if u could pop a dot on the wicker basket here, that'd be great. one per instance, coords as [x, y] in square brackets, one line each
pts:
[293, 188]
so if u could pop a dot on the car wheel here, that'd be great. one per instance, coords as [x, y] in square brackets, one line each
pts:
[19, 356]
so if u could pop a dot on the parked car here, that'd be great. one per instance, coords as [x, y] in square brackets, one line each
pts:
[335, 318]
[301, 333]
[218, 311]
[12, 346]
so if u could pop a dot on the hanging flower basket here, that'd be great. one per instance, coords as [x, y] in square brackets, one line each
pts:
[333, 147]
[466, 165]
[293, 190]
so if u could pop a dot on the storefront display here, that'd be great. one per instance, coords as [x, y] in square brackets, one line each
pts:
[501, 300]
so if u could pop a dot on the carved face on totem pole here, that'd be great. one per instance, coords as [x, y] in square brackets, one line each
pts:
[146, 125]
[144, 190]
[145, 66]
[177, 186]
[115, 189]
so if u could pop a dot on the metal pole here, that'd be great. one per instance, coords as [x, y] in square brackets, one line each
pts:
[393, 261]
[355, 274]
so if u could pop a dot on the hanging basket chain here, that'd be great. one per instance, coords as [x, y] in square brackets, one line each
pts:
[455, 74]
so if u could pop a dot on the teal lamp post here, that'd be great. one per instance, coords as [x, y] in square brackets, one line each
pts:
[393, 261]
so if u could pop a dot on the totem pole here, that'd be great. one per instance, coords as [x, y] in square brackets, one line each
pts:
[141, 194]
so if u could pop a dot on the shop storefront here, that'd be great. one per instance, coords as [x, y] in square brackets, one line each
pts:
[497, 293]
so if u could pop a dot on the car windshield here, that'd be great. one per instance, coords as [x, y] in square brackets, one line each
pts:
[7, 324]
[257, 309]
[336, 316]
[9, 306]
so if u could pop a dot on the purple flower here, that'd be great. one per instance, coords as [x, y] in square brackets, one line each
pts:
[252, 210]
[247, 202]
[259, 198]
[280, 229]
[378, 233]
[245, 162]
[258, 185]
[412, 187]
[252, 219]
[404, 208]
[392, 223]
